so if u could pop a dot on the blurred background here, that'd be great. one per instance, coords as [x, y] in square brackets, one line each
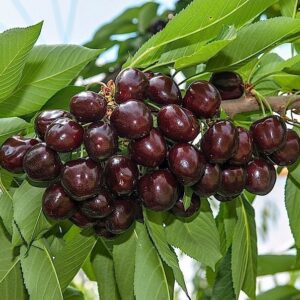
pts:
[121, 27]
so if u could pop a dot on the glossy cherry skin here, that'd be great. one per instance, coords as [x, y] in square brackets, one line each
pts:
[57, 204]
[229, 84]
[100, 141]
[244, 151]
[99, 206]
[186, 163]
[81, 178]
[101, 231]
[158, 190]
[81, 220]
[45, 118]
[261, 177]
[41, 163]
[149, 151]
[269, 134]
[88, 107]
[209, 183]
[64, 135]
[179, 211]
[12, 153]
[224, 198]
[177, 124]
[130, 84]
[290, 152]
[132, 120]
[163, 90]
[122, 217]
[233, 180]
[203, 99]
[220, 142]
[121, 174]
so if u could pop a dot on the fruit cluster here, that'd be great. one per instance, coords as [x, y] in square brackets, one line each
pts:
[147, 151]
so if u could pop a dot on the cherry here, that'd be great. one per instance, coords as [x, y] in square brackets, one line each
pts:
[186, 163]
[121, 174]
[203, 99]
[290, 152]
[179, 211]
[132, 119]
[57, 204]
[98, 207]
[261, 177]
[101, 141]
[177, 123]
[12, 153]
[88, 106]
[122, 217]
[220, 142]
[130, 84]
[224, 198]
[245, 148]
[82, 220]
[163, 90]
[229, 84]
[158, 190]
[45, 118]
[269, 134]
[209, 183]
[149, 151]
[64, 135]
[149, 74]
[41, 163]
[81, 178]
[101, 231]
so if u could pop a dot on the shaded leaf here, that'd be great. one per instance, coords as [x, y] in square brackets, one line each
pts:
[288, 7]
[73, 294]
[285, 292]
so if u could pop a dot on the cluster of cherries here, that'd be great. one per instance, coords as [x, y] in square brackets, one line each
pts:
[147, 151]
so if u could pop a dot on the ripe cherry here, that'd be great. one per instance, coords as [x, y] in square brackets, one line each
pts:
[132, 120]
[12, 153]
[149, 151]
[101, 141]
[261, 177]
[57, 204]
[101, 231]
[88, 107]
[203, 99]
[81, 178]
[149, 74]
[82, 220]
[64, 135]
[224, 198]
[177, 123]
[130, 84]
[179, 211]
[158, 190]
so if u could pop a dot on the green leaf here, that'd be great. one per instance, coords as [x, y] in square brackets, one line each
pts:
[39, 273]
[15, 45]
[48, 69]
[6, 209]
[285, 292]
[73, 294]
[288, 8]
[244, 250]
[198, 238]
[287, 82]
[87, 268]
[146, 16]
[187, 197]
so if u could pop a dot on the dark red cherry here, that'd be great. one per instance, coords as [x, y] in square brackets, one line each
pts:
[269, 134]
[100, 141]
[12, 153]
[209, 183]
[130, 84]
[45, 118]
[163, 90]
[203, 99]
[132, 120]
[57, 204]
[82, 221]
[229, 84]
[99, 206]
[41, 163]
[220, 142]
[101, 231]
[149, 74]
[261, 177]
[158, 190]
[178, 208]
[81, 178]
[224, 198]
[64, 135]
[233, 180]
[122, 217]
[88, 107]
[290, 152]
[177, 123]
[149, 151]
[245, 148]
[186, 163]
